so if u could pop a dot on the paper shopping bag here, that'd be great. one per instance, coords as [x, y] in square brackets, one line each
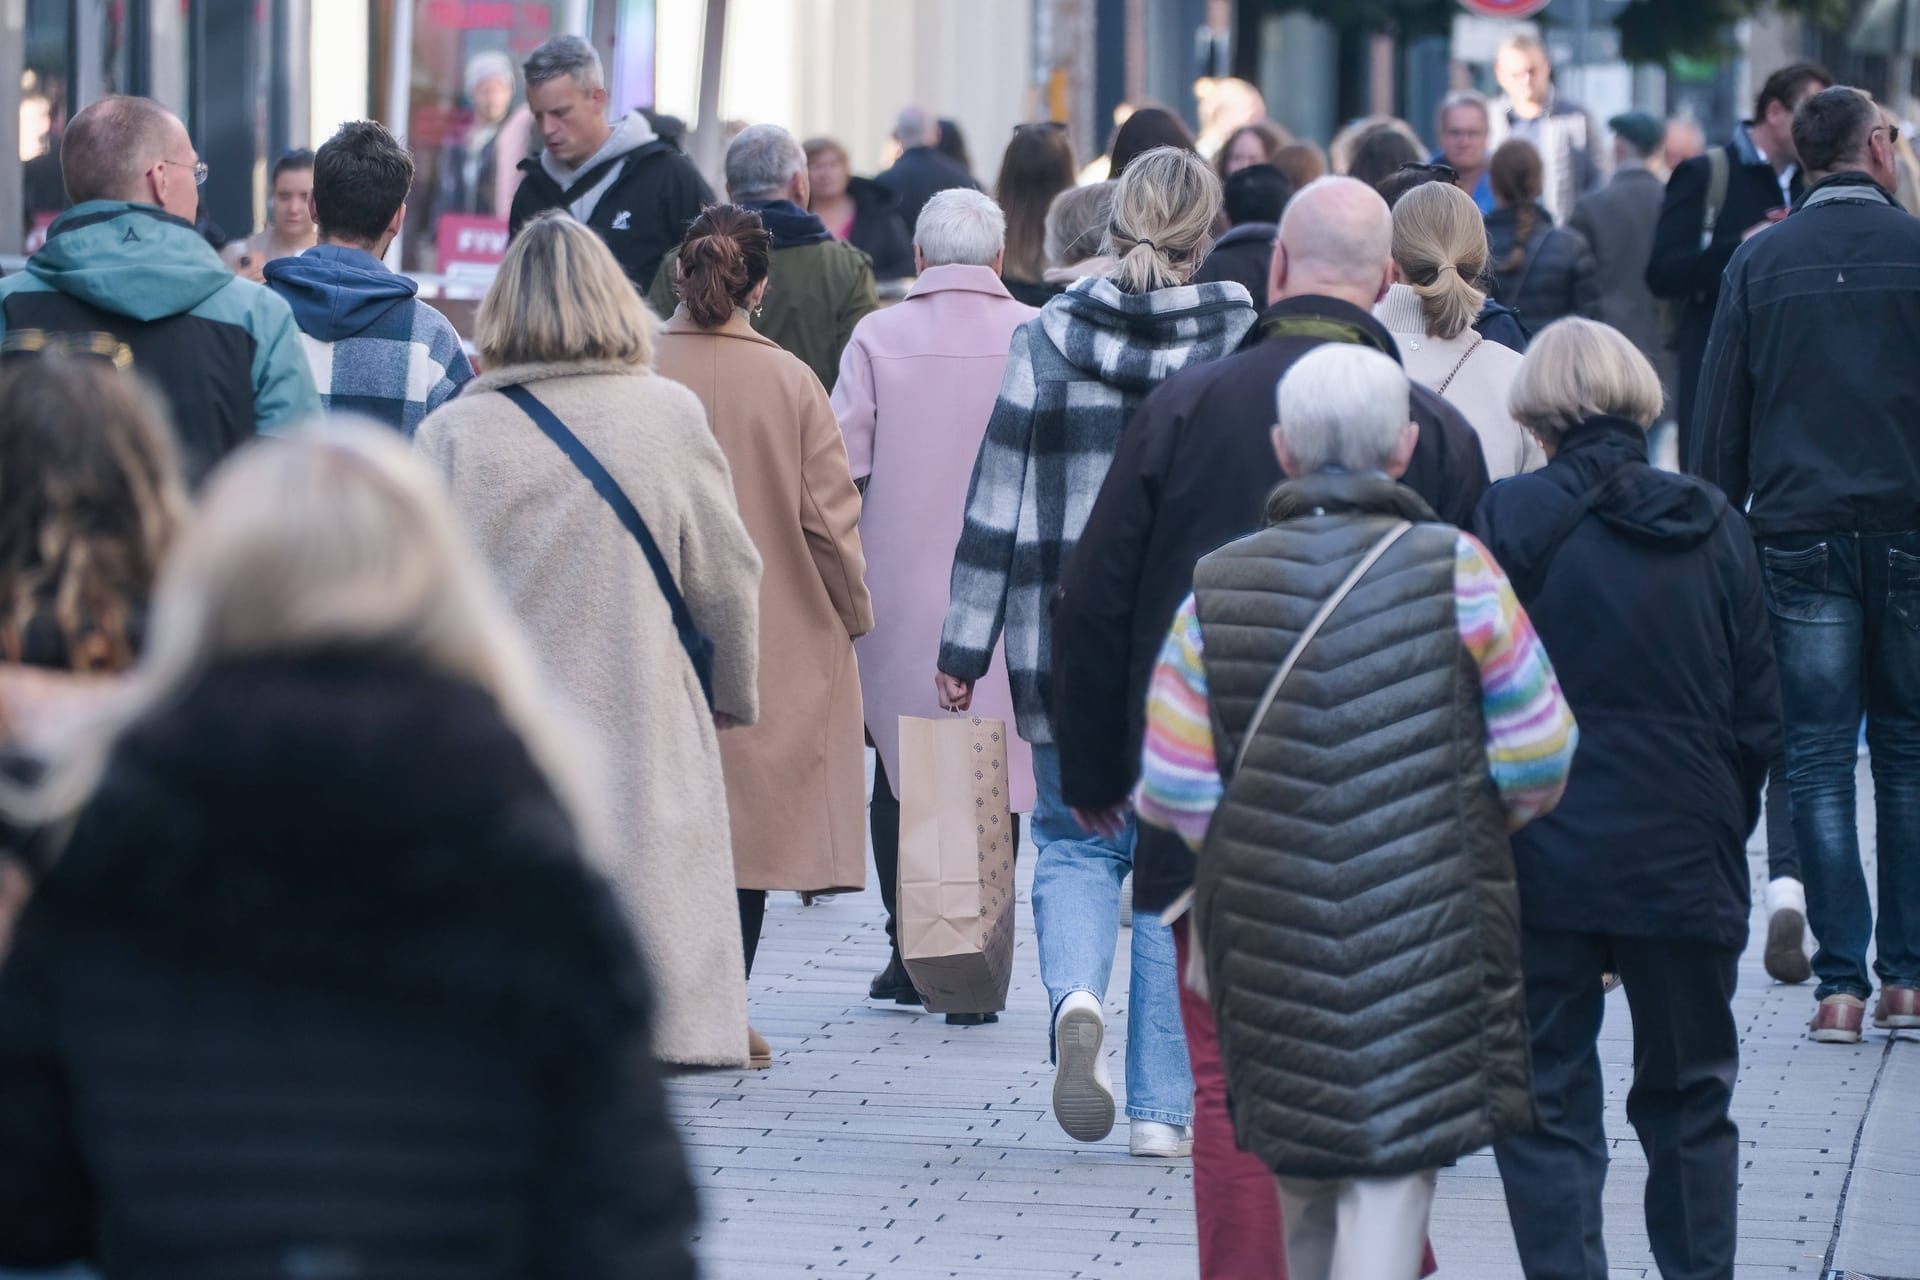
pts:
[956, 863]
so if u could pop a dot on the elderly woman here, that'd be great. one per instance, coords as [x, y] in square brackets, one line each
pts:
[322, 982]
[1647, 590]
[1439, 251]
[917, 385]
[1077, 233]
[566, 460]
[1075, 373]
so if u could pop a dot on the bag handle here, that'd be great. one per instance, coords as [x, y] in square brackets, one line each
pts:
[1472, 347]
[699, 648]
[1331, 603]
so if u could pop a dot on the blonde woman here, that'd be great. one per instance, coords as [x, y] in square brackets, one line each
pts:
[1439, 251]
[1075, 374]
[325, 896]
[567, 344]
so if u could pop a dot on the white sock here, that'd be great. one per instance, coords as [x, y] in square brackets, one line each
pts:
[1786, 892]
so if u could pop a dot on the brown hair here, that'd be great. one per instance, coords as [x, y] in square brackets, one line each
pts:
[1517, 178]
[90, 502]
[1038, 166]
[1304, 162]
[723, 257]
[561, 298]
[1272, 138]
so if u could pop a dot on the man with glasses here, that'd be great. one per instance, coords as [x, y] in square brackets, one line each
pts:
[126, 263]
[1465, 124]
[1806, 419]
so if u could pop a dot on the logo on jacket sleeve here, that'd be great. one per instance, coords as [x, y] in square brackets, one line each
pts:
[622, 221]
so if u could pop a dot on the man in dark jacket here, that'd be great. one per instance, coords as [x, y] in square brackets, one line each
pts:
[124, 274]
[1807, 413]
[1353, 841]
[922, 171]
[1255, 198]
[1617, 223]
[1193, 471]
[632, 187]
[1695, 239]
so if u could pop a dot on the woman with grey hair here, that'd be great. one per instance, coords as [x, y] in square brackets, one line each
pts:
[1077, 233]
[1647, 590]
[1075, 374]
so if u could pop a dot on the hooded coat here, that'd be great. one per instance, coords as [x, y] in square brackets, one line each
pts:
[1654, 610]
[637, 191]
[375, 349]
[1075, 374]
[878, 230]
[133, 281]
[321, 985]
[1244, 255]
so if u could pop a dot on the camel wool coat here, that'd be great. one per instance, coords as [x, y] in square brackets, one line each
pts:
[796, 781]
[604, 635]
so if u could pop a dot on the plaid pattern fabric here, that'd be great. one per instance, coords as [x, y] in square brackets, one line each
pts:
[1075, 374]
[396, 371]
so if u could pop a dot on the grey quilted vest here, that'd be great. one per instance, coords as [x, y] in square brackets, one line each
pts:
[1356, 894]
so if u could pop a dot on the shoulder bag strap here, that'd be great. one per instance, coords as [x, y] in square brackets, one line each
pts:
[1719, 169]
[1332, 602]
[699, 648]
[1472, 347]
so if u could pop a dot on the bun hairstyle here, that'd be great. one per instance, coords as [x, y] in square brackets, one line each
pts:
[1164, 206]
[1440, 244]
[722, 260]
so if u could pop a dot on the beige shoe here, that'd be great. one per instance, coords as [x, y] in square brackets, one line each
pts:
[759, 1052]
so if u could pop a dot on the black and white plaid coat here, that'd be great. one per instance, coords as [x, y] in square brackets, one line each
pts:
[1075, 374]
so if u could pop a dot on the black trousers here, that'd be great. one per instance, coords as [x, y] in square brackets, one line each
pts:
[1686, 1052]
[753, 916]
[883, 823]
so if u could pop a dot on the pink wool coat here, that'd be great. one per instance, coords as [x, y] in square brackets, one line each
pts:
[917, 384]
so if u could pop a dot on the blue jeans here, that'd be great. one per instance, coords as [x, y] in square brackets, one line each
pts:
[1846, 630]
[1076, 913]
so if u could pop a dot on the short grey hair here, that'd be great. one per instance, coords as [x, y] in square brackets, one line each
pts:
[960, 227]
[1345, 406]
[1576, 369]
[1464, 98]
[916, 126]
[762, 162]
[1077, 223]
[566, 56]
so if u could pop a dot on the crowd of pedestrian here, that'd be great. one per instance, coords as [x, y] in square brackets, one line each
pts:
[1304, 529]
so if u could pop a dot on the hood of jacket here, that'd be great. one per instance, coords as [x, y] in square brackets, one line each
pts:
[133, 260]
[1636, 501]
[1336, 492]
[630, 133]
[789, 224]
[337, 292]
[869, 197]
[1135, 341]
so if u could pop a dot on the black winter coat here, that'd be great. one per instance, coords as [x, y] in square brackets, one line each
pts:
[642, 215]
[322, 987]
[1556, 280]
[1193, 472]
[920, 174]
[1810, 397]
[879, 231]
[1245, 256]
[1654, 613]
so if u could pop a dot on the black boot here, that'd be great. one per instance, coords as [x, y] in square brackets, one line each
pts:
[971, 1019]
[894, 984]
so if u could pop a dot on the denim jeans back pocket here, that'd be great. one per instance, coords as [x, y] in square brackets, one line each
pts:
[1903, 587]
[1797, 582]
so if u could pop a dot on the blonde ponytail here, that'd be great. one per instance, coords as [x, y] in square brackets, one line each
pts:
[1440, 245]
[1163, 210]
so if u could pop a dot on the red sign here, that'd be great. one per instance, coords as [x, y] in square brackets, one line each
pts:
[1504, 8]
[470, 243]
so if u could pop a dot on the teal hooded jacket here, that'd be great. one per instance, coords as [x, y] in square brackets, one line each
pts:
[133, 281]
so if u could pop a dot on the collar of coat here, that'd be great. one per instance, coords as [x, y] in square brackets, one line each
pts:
[1324, 319]
[738, 325]
[1848, 187]
[520, 375]
[959, 278]
[1346, 493]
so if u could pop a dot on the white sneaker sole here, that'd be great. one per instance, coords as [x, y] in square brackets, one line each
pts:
[1082, 1105]
[1147, 1151]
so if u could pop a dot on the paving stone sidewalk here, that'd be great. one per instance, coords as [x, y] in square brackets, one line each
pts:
[886, 1144]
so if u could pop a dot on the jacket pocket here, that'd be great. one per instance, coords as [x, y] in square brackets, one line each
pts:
[1903, 587]
[1797, 582]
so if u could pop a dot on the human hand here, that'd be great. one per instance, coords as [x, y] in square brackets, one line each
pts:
[1773, 216]
[1105, 823]
[955, 695]
[722, 721]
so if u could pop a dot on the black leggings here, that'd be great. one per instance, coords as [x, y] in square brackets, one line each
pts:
[753, 914]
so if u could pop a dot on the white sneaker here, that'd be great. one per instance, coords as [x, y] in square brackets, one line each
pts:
[1160, 1141]
[1082, 1089]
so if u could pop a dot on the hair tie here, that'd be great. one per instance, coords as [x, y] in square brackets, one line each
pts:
[1444, 268]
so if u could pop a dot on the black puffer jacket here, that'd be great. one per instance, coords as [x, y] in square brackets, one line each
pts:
[1355, 897]
[321, 987]
[1554, 280]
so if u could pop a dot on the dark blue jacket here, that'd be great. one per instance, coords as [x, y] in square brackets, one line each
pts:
[1654, 613]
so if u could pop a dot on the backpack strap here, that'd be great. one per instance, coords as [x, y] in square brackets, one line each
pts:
[1719, 170]
[699, 648]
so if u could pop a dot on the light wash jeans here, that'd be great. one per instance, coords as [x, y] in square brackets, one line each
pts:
[1076, 913]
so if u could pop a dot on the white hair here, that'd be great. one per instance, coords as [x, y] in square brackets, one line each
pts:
[962, 227]
[1464, 98]
[916, 126]
[1344, 406]
[566, 56]
[762, 162]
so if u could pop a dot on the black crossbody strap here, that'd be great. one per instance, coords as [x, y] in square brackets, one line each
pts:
[699, 648]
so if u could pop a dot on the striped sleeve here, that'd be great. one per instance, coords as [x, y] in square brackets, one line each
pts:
[1531, 736]
[1179, 777]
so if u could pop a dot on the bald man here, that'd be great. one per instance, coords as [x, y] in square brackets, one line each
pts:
[124, 274]
[1193, 473]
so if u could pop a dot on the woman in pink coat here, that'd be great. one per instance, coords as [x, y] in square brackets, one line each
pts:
[917, 384]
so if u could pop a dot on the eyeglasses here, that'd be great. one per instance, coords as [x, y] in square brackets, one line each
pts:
[199, 168]
[1893, 133]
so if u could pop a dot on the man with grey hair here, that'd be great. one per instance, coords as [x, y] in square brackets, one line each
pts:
[632, 187]
[1465, 124]
[922, 171]
[124, 274]
[818, 287]
[916, 387]
[1349, 796]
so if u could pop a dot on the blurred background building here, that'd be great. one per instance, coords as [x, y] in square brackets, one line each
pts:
[253, 78]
